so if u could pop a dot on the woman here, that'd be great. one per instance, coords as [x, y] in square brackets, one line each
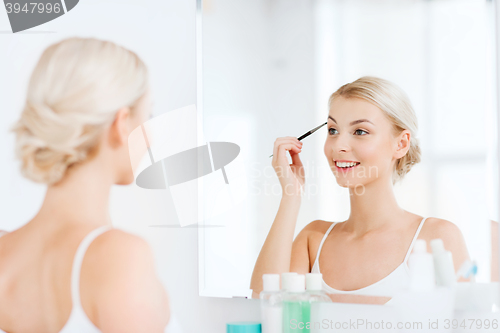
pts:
[370, 145]
[68, 270]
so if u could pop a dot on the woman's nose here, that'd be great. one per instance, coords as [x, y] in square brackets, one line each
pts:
[341, 144]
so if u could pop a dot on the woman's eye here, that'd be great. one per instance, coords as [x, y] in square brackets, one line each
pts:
[331, 131]
[360, 130]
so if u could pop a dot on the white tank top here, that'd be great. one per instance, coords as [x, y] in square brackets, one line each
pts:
[397, 280]
[78, 320]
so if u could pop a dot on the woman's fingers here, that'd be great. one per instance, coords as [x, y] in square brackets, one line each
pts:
[282, 152]
[275, 151]
[296, 158]
[287, 146]
[289, 139]
[280, 141]
[277, 143]
[281, 145]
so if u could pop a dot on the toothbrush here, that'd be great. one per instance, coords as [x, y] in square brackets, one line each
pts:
[468, 269]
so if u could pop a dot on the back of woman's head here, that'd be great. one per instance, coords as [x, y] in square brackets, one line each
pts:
[396, 105]
[75, 90]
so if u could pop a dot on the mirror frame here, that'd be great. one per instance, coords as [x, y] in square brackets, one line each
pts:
[497, 74]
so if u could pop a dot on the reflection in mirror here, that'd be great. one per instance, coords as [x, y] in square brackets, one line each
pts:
[268, 70]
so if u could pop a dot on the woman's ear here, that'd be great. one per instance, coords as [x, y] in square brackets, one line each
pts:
[119, 129]
[403, 144]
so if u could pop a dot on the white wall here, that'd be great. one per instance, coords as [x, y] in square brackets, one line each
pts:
[162, 32]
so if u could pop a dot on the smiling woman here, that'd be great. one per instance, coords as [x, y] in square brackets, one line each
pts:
[371, 144]
[368, 96]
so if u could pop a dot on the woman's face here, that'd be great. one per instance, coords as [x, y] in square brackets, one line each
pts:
[359, 132]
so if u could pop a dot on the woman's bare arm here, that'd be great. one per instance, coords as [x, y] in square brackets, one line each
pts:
[275, 255]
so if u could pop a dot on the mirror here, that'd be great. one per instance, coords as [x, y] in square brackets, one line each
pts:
[266, 70]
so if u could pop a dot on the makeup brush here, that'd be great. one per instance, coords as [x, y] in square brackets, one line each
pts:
[309, 133]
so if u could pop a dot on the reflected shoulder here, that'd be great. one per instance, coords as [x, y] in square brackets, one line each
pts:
[451, 235]
[318, 226]
[439, 228]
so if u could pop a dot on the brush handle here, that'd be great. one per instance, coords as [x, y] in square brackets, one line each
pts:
[309, 133]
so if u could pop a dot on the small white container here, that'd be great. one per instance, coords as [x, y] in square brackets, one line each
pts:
[421, 264]
[285, 281]
[443, 264]
[314, 288]
[296, 306]
[271, 306]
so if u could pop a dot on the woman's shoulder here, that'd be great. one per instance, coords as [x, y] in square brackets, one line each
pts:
[314, 231]
[116, 238]
[121, 270]
[318, 226]
[450, 234]
[439, 228]
[117, 252]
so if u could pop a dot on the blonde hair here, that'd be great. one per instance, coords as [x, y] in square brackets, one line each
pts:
[74, 92]
[396, 105]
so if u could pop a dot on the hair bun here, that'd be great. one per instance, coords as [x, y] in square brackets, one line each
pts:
[40, 160]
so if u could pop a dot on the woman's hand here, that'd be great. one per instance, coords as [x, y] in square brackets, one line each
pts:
[291, 176]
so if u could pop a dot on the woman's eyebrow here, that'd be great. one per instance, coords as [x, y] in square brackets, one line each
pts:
[353, 122]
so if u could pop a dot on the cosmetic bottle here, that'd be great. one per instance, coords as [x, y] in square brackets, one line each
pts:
[285, 281]
[443, 264]
[271, 307]
[421, 264]
[314, 288]
[243, 327]
[296, 306]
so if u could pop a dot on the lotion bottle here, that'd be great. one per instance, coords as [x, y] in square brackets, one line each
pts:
[314, 288]
[271, 306]
[296, 307]
[421, 266]
[285, 281]
[443, 264]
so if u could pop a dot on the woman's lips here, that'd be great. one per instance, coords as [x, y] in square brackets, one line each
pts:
[346, 169]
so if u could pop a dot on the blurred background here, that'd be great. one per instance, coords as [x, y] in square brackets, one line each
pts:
[268, 68]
